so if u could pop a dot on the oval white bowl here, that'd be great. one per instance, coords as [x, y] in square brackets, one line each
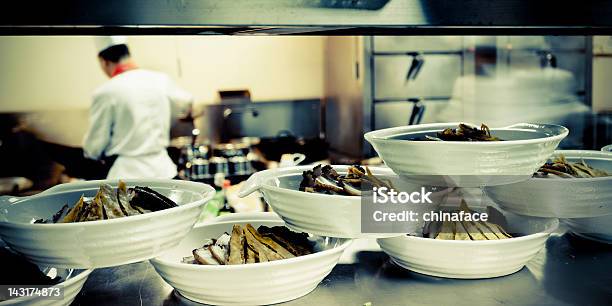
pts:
[315, 213]
[560, 197]
[249, 284]
[71, 287]
[472, 259]
[467, 164]
[596, 228]
[102, 243]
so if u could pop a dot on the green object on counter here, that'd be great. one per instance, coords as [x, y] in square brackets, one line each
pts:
[211, 209]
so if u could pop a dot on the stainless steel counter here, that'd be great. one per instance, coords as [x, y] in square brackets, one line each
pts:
[569, 271]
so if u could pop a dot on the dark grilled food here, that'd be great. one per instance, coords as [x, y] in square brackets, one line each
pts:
[111, 204]
[249, 245]
[150, 199]
[463, 132]
[269, 242]
[325, 179]
[560, 167]
[61, 213]
[468, 230]
[236, 247]
[95, 210]
[296, 243]
[124, 200]
[75, 214]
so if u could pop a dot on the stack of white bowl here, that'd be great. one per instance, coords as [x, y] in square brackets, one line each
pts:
[583, 204]
[164, 237]
[459, 165]
[78, 248]
[314, 213]
[469, 164]
[335, 217]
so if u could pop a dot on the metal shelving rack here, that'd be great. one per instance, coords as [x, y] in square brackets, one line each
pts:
[371, 100]
[586, 50]
[372, 54]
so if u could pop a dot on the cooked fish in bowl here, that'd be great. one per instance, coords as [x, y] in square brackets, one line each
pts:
[574, 185]
[560, 167]
[84, 224]
[464, 132]
[468, 250]
[247, 245]
[111, 204]
[326, 180]
[322, 200]
[462, 155]
[466, 229]
[249, 262]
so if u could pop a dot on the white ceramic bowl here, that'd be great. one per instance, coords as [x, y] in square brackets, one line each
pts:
[561, 197]
[597, 228]
[314, 213]
[467, 164]
[472, 259]
[74, 281]
[250, 284]
[102, 243]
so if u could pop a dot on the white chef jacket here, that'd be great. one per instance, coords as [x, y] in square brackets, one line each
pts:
[130, 118]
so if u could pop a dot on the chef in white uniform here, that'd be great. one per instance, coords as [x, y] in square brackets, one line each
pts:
[130, 116]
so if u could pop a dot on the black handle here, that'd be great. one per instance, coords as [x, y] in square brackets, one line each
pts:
[547, 59]
[418, 108]
[415, 67]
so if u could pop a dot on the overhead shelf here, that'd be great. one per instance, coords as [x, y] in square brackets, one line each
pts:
[305, 17]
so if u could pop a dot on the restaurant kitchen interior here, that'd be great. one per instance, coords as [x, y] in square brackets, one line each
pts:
[259, 97]
[150, 148]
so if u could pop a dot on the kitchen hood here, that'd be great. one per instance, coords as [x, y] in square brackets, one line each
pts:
[306, 17]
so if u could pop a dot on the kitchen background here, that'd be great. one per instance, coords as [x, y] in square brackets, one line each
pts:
[52, 78]
[309, 94]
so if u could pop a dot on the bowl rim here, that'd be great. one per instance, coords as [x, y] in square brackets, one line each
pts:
[318, 198]
[546, 232]
[259, 180]
[373, 136]
[84, 273]
[344, 243]
[208, 194]
[263, 185]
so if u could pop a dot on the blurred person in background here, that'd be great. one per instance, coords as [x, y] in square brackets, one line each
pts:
[130, 116]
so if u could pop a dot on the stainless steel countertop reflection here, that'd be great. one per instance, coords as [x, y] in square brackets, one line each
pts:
[569, 271]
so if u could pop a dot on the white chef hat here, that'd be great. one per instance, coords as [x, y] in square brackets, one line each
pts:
[105, 42]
